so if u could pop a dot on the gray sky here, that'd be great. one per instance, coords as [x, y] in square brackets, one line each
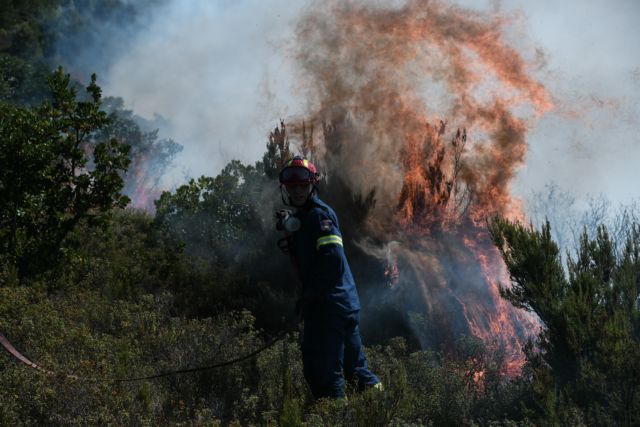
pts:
[593, 65]
[220, 72]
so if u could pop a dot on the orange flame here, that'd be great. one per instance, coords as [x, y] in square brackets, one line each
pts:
[377, 76]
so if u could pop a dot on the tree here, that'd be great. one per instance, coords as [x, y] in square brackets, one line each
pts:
[215, 216]
[226, 225]
[21, 30]
[47, 182]
[587, 361]
[24, 40]
[277, 151]
[223, 218]
[150, 156]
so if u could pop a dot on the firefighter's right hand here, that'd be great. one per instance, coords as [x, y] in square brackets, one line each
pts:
[281, 217]
[285, 221]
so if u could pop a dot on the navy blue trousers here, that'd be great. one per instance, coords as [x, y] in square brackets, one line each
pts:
[331, 351]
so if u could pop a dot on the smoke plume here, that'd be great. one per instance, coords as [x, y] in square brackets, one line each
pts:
[426, 109]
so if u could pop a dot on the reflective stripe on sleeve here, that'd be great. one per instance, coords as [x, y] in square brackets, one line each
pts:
[328, 240]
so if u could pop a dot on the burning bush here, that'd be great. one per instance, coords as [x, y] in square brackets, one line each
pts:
[414, 196]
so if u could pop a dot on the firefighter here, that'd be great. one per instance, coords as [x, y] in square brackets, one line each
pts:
[329, 305]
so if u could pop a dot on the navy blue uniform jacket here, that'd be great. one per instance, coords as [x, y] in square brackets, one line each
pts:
[327, 282]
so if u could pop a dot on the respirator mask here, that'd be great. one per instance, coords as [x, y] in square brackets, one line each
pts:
[285, 221]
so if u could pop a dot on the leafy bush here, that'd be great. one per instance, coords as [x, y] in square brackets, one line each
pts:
[47, 183]
[586, 363]
[98, 339]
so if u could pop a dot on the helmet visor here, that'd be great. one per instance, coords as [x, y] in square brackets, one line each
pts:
[295, 174]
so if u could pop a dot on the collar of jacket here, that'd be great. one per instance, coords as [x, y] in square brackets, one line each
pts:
[310, 203]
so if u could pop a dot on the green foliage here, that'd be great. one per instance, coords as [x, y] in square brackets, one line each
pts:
[124, 260]
[587, 363]
[22, 82]
[136, 295]
[97, 339]
[132, 256]
[217, 216]
[36, 35]
[47, 183]
[21, 30]
[23, 43]
[423, 388]
[192, 286]
[225, 225]
[150, 156]
[123, 306]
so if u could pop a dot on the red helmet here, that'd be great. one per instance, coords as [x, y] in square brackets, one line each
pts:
[299, 171]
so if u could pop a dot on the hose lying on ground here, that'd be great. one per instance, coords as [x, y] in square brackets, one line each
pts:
[16, 354]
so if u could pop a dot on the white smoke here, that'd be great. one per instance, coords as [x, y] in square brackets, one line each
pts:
[218, 71]
[221, 73]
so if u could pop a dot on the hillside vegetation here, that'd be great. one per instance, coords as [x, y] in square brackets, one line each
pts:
[97, 292]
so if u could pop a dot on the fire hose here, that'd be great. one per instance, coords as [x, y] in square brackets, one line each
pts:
[287, 222]
[16, 354]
